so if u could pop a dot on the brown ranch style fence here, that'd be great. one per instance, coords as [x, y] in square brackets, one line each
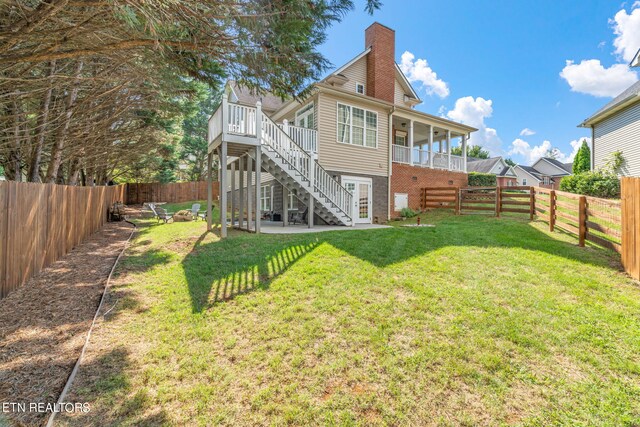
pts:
[39, 223]
[613, 224]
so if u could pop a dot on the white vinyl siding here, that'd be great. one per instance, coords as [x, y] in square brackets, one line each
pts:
[398, 97]
[356, 73]
[357, 126]
[620, 132]
[337, 156]
[544, 167]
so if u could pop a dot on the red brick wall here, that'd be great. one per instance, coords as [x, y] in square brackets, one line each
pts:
[410, 179]
[380, 61]
[503, 181]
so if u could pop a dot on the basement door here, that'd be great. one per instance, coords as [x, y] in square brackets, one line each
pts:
[361, 189]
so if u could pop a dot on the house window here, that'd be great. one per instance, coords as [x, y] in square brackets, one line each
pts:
[357, 126]
[266, 198]
[400, 138]
[524, 181]
[546, 180]
[293, 201]
[305, 117]
[360, 88]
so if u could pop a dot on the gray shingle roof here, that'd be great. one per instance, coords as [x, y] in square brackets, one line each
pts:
[633, 90]
[481, 165]
[270, 102]
[567, 167]
[531, 171]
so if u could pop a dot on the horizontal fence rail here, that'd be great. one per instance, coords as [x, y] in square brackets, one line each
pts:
[39, 223]
[440, 198]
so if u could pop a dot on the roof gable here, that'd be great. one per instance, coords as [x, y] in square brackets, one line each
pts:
[545, 164]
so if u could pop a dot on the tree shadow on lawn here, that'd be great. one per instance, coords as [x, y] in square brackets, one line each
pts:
[218, 271]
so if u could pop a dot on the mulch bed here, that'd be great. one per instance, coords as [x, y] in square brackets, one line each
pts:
[43, 324]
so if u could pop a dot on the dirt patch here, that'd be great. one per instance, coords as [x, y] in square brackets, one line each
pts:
[44, 324]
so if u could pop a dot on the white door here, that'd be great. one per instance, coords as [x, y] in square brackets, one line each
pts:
[361, 189]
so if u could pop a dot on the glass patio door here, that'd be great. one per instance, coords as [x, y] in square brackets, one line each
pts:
[361, 190]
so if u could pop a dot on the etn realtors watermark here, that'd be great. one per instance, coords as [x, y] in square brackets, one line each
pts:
[44, 408]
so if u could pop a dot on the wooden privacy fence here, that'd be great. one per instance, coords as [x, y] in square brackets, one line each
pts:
[171, 193]
[39, 223]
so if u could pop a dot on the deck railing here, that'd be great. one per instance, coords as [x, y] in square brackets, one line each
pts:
[306, 138]
[402, 154]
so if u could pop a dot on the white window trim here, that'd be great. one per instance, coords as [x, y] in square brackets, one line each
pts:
[268, 197]
[351, 126]
[364, 88]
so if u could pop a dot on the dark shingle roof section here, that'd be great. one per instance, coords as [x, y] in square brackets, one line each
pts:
[633, 90]
[270, 102]
[481, 165]
[531, 171]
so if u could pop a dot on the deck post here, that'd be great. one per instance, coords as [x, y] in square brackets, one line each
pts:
[431, 146]
[310, 208]
[241, 168]
[285, 206]
[249, 192]
[449, 148]
[258, 164]
[464, 153]
[410, 142]
[232, 194]
[209, 190]
[223, 189]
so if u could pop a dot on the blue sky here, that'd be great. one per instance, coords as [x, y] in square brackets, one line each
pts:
[502, 65]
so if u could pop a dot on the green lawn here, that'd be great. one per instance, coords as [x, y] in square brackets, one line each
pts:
[477, 321]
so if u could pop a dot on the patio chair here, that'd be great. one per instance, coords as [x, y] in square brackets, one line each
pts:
[163, 215]
[195, 210]
[300, 216]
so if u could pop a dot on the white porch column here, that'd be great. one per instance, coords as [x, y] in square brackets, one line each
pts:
[223, 190]
[410, 142]
[258, 163]
[232, 203]
[464, 153]
[285, 206]
[249, 192]
[241, 168]
[209, 190]
[449, 148]
[431, 146]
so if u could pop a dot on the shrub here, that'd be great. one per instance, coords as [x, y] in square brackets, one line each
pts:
[408, 213]
[592, 183]
[477, 179]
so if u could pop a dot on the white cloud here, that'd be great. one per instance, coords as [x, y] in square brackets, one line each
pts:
[626, 27]
[418, 70]
[527, 132]
[590, 77]
[473, 112]
[531, 154]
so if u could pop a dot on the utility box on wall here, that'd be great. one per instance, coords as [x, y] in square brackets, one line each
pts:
[400, 201]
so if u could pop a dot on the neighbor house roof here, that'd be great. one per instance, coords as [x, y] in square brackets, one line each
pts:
[567, 167]
[245, 96]
[482, 165]
[628, 97]
[505, 171]
[531, 171]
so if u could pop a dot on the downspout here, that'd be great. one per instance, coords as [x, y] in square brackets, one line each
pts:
[390, 126]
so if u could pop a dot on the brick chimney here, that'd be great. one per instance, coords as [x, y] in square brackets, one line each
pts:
[380, 61]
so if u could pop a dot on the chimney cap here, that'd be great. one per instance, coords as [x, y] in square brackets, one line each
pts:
[381, 25]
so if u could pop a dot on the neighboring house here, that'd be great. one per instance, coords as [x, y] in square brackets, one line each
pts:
[546, 173]
[357, 137]
[505, 176]
[616, 127]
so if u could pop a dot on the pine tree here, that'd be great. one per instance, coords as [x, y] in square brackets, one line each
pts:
[582, 161]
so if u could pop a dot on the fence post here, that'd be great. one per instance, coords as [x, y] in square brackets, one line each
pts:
[498, 201]
[582, 219]
[458, 195]
[552, 210]
[532, 203]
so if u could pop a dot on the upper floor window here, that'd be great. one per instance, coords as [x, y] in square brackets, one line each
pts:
[357, 126]
[305, 117]
[360, 88]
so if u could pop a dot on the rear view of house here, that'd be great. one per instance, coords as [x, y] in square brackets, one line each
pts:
[354, 151]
